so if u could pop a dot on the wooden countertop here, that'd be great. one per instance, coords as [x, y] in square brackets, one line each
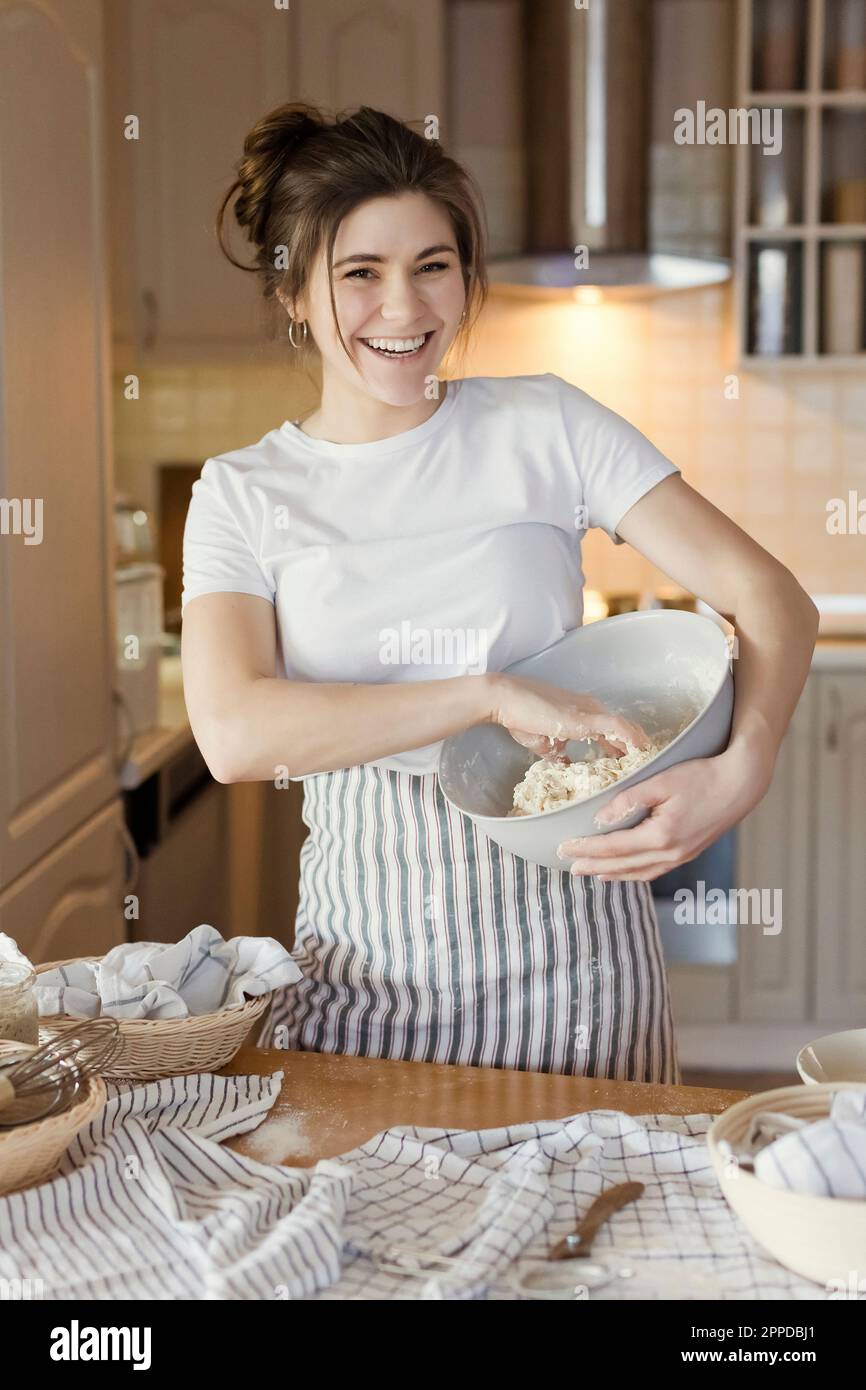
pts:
[330, 1104]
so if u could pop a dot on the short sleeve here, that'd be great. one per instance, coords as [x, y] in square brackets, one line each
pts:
[615, 464]
[217, 556]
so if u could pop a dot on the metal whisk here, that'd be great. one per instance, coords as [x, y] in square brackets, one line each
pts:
[47, 1079]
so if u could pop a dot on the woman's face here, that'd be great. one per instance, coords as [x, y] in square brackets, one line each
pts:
[397, 278]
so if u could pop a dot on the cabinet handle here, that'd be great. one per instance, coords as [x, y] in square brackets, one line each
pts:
[122, 705]
[151, 318]
[832, 736]
[132, 859]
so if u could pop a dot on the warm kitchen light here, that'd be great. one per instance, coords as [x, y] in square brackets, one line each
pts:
[588, 294]
[594, 606]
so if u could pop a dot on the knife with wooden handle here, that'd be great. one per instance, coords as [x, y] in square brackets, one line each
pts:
[604, 1206]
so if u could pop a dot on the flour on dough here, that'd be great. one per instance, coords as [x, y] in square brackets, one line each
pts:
[555, 782]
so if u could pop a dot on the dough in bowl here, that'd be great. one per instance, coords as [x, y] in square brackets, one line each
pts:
[554, 782]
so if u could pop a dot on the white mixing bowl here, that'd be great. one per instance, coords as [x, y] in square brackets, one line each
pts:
[662, 668]
[836, 1057]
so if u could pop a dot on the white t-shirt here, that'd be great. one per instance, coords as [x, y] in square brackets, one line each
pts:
[450, 548]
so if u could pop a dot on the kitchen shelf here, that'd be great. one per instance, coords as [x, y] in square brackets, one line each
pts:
[841, 231]
[802, 361]
[857, 100]
[800, 215]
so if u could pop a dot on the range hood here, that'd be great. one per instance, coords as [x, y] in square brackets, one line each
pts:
[587, 102]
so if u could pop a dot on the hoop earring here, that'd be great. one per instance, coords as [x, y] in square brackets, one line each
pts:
[292, 323]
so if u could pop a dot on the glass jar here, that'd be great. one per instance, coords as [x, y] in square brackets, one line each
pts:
[19, 1014]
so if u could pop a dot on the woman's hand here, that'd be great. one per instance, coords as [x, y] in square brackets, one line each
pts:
[543, 718]
[690, 806]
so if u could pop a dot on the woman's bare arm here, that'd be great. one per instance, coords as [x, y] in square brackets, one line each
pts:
[248, 722]
[776, 622]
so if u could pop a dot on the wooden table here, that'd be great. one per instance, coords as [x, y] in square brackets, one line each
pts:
[330, 1104]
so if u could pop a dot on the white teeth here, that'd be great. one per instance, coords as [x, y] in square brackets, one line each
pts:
[397, 344]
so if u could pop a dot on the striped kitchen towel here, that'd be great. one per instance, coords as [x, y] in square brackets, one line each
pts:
[149, 1204]
[200, 974]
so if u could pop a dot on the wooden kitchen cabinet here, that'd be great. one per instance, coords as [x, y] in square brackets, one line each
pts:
[71, 902]
[56, 625]
[281, 839]
[775, 852]
[805, 839]
[198, 74]
[839, 926]
[389, 55]
[184, 879]
[792, 209]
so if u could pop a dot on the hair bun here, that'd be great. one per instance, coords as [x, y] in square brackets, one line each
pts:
[271, 142]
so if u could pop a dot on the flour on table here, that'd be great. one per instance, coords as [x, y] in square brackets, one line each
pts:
[554, 782]
[277, 1136]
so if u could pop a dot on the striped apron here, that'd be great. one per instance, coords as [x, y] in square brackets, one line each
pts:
[420, 939]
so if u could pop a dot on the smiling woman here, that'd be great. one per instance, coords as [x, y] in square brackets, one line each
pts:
[400, 306]
[370, 238]
[413, 506]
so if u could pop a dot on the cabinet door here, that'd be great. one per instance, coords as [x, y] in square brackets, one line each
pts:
[56, 653]
[71, 902]
[389, 55]
[267, 831]
[198, 76]
[775, 852]
[840, 906]
[184, 880]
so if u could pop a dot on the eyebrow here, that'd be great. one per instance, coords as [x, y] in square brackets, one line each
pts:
[369, 256]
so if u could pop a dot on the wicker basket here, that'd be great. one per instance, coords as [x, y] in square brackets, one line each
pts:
[154, 1047]
[30, 1153]
[820, 1238]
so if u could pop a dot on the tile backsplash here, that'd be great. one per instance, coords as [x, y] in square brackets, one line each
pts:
[771, 448]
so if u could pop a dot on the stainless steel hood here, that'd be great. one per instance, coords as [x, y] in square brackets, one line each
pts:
[587, 102]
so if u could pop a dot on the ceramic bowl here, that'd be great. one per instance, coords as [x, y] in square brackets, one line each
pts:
[836, 1057]
[664, 669]
[819, 1238]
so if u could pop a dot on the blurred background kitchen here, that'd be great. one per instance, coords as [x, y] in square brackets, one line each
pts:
[723, 312]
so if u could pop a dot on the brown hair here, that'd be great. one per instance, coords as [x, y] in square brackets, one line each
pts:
[300, 175]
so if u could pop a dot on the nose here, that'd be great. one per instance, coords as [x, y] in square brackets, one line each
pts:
[401, 301]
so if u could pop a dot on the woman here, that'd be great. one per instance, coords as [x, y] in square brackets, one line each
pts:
[355, 582]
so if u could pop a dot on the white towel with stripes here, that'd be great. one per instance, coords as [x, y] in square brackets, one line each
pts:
[826, 1158]
[201, 974]
[148, 1204]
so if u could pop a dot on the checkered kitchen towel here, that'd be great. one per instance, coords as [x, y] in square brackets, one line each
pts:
[148, 1205]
